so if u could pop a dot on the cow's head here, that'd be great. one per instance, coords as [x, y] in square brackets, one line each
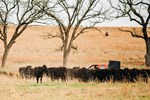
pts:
[45, 69]
[28, 69]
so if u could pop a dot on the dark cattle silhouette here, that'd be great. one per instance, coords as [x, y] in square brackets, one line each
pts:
[71, 72]
[29, 72]
[120, 75]
[93, 73]
[83, 74]
[58, 73]
[39, 71]
[22, 71]
[26, 72]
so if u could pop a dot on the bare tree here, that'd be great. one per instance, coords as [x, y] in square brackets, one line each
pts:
[69, 15]
[139, 12]
[19, 12]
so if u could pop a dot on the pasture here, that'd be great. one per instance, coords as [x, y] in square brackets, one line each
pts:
[18, 89]
[93, 48]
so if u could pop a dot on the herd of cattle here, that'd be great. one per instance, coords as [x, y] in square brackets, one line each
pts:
[85, 74]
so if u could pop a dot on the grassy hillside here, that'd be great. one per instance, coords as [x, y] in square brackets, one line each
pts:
[93, 48]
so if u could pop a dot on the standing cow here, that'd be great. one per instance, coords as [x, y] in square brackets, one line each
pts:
[22, 71]
[26, 72]
[39, 71]
[58, 73]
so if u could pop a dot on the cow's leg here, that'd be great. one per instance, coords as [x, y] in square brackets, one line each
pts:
[62, 78]
[21, 76]
[41, 79]
[52, 78]
[65, 78]
[37, 78]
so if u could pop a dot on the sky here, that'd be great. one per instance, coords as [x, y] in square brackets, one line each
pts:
[120, 22]
[125, 22]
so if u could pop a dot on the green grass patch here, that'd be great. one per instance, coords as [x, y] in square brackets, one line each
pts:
[80, 85]
[56, 85]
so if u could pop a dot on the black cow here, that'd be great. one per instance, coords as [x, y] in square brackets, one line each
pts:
[99, 75]
[29, 72]
[71, 72]
[144, 75]
[83, 74]
[58, 73]
[39, 71]
[26, 72]
[22, 71]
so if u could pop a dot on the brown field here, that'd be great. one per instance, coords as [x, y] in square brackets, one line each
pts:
[19, 89]
[93, 48]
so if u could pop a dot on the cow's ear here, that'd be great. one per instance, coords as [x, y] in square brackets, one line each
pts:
[44, 66]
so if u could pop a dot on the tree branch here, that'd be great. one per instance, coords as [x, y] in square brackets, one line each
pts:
[132, 33]
[50, 36]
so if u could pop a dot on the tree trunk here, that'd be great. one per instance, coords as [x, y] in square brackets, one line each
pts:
[66, 52]
[147, 56]
[65, 58]
[4, 58]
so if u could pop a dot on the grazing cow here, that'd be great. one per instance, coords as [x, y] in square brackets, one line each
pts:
[39, 71]
[58, 73]
[31, 73]
[99, 75]
[121, 75]
[83, 74]
[22, 72]
[28, 72]
[71, 72]
[143, 75]
[25, 72]
[117, 75]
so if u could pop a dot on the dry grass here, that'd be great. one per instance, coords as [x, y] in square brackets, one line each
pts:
[93, 48]
[18, 89]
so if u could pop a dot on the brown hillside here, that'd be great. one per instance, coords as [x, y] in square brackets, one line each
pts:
[93, 48]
